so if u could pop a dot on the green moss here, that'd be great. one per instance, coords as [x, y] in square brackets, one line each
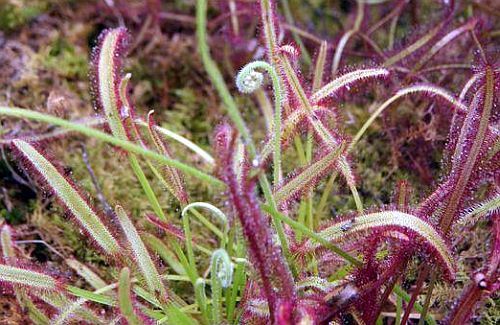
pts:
[13, 16]
[13, 217]
[63, 58]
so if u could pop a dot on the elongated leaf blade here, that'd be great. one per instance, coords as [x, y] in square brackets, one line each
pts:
[302, 181]
[70, 198]
[141, 254]
[388, 219]
[347, 79]
[125, 298]
[28, 278]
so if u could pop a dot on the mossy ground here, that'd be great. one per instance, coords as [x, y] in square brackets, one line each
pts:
[44, 54]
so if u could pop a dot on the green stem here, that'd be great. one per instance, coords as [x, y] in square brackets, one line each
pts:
[278, 96]
[216, 77]
[234, 114]
[148, 190]
[126, 145]
[306, 231]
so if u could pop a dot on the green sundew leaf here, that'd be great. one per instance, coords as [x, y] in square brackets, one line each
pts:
[111, 92]
[178, 317]
[85, 215]
[125, 299]
[318, 283]
[366, 222]
[345, 80]
[93, 296]
[6, 243]
[311, 172]
[141, 254]
[7, 246]
[489, 206]
[35, 314]
[69, 309]
[85, 272]
[32, 279]
[164, 252]
[201, 297]
[319, 67]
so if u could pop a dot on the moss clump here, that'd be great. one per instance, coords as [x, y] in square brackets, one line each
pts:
[13, 15]
[63, 58]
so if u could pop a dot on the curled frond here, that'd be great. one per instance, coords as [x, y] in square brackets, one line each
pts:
[249, 80]
[221, 270]
[222, 267]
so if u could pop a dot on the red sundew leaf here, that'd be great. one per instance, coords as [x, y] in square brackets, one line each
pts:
[269, 27]
[306, 179]
[483, 283]
[393, 220]
[402, 194]
[168, 228]
[421, 42]
[173, 179]
[439, 45]
[471, 147]
[277, 281]
[346, 80]
[290, 127]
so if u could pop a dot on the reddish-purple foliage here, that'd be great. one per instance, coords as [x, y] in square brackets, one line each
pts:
[277, 281]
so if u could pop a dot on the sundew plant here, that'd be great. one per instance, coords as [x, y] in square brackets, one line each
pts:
[268, 245]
